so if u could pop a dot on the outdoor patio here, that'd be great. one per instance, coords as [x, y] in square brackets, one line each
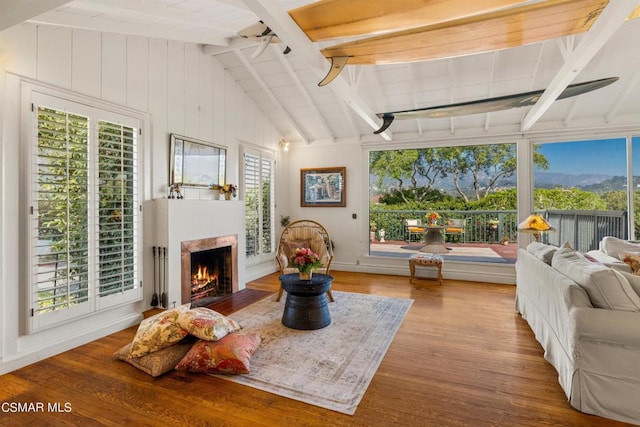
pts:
[470, 252]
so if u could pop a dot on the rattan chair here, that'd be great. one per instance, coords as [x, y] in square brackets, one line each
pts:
[304, 233]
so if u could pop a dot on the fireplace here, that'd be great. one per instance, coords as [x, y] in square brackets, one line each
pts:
[209, 269]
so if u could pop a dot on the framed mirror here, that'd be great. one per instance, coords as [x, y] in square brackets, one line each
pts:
[196, 163]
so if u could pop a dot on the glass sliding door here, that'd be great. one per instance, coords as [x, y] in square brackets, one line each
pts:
[583, 191]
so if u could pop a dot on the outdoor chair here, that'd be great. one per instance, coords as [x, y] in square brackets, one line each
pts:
[412, 228]
[456, 227]
[304, 233]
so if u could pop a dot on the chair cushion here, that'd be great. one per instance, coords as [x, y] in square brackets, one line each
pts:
[290, 247]
[453, 230]
[415, 230]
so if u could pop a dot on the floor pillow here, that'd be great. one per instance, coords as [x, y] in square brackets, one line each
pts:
[230, 355]
[206, 324]
[158, 331]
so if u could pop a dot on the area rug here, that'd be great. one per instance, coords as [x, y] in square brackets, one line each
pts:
[330, 367]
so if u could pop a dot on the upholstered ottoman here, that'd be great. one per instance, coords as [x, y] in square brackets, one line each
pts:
[425, 260]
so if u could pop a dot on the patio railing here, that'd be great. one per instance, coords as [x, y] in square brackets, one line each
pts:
[582, 229]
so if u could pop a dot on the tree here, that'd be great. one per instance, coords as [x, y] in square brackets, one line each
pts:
[417, 170]
[405, 167]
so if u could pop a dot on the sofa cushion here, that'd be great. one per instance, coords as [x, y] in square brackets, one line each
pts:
[606, 287]
[541, 251]
[634, 281]
[612, 246]
[609, 261]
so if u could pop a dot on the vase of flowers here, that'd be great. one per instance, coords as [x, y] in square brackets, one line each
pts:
[305, 260]
[433, 217]
[229, 190]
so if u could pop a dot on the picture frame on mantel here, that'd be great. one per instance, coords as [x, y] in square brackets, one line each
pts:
[195, 163]
[323, 187]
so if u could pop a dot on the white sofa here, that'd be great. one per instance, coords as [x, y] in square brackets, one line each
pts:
[596, 351]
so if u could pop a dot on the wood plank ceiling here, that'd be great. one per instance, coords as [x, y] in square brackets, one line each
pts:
[286, 88]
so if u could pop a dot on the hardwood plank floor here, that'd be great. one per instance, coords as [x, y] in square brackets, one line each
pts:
[462, 357]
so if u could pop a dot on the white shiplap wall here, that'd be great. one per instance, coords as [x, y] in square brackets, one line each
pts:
[173, 84]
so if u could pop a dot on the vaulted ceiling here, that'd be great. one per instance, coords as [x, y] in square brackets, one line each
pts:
[285, 86]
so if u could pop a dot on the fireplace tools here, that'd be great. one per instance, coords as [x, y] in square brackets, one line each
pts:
[164, 281]
[154, 298]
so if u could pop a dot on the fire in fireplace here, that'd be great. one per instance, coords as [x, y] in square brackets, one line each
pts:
[209, 269]
[210, 274]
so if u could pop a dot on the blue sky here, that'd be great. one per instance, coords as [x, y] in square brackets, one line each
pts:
[605, 156]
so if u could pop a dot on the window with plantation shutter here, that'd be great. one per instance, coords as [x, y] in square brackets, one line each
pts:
[84, 214]
[259, 198]
[117, 225]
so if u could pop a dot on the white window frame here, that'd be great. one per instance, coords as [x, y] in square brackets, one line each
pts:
[33, 96]
[269, 156]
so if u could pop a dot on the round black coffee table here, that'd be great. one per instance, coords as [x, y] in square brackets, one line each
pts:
[307, 304]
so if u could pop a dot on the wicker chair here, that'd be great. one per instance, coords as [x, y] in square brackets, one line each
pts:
[304, 233]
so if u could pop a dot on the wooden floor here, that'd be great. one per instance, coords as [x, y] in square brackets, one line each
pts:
[462, 357]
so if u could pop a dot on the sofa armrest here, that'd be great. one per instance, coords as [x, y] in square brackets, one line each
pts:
[612, 327]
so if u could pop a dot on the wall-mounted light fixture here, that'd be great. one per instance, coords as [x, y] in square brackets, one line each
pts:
[284, 145]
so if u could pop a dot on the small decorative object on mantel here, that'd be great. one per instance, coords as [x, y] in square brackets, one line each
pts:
[305, 260]
[175, 192]
[229, 190]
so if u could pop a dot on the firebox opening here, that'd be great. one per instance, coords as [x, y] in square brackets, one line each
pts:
[211, 275]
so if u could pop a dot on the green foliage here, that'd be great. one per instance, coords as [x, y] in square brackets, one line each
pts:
[500, 200]
[616, 200]
[567, 199]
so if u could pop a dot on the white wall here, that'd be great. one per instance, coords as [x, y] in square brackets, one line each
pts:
[181, 91]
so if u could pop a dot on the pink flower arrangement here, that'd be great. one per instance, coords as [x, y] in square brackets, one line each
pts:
[305, 259]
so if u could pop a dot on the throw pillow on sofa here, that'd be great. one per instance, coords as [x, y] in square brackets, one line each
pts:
[606, 288]
[541, 251]
[612, 246]
[632, 260]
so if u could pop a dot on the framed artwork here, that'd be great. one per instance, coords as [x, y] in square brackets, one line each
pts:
[323, 187]
[196, 163]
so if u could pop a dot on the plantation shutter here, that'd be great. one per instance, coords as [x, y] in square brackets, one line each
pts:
[117, 211]
[60, 223]
[84, 226]
[252, 203]
[259, 199]
[268, 205]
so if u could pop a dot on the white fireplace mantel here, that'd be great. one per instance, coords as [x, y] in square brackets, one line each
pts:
[169, 222]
